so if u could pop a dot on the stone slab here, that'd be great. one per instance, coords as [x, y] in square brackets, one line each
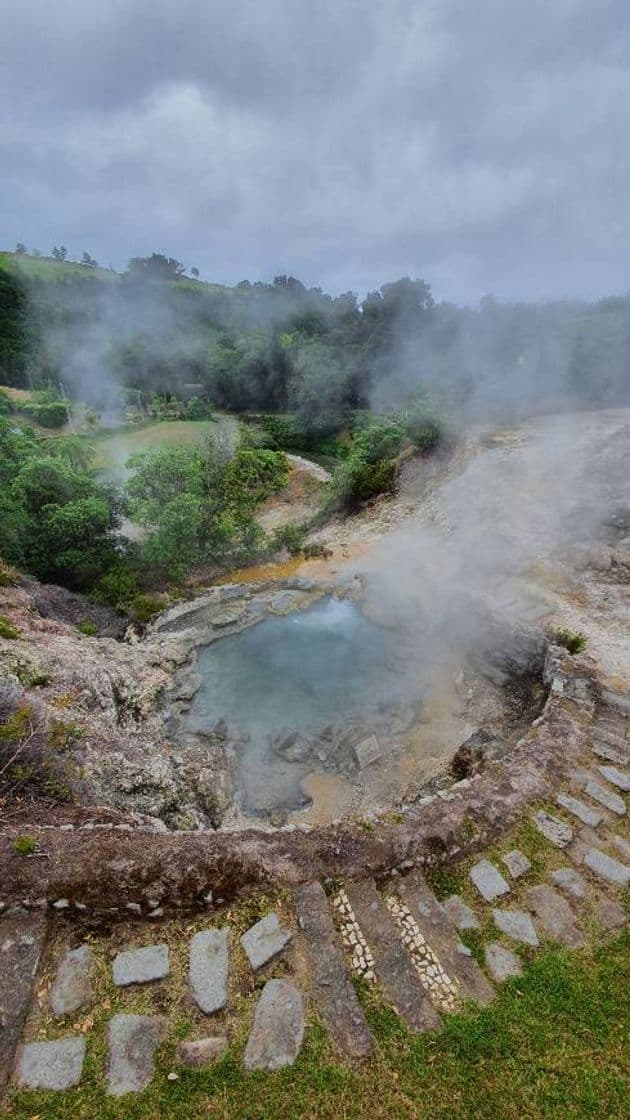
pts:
[50, 1065]
[579, 809]
[332, 989]
[275, 1039]
[72, 986]
[208, 969]
[367, 751]
[488, 880]
[264, 940]
[502, 963]
[607, 867]
[433, 923]
[140, 966]
[618, 701]
[553, 829]
[394, 968]
[516, 924]
[202, 1051]
[21, 942]
[609, 754]
[610, 914]
[460, 914]
[620, 843]
[606, 797]
[554, 915]
[570, 882]
[617, 777]
[132, 1043]
[612, 739]
[517, 863]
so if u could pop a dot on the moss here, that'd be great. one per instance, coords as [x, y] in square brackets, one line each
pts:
[88, 628]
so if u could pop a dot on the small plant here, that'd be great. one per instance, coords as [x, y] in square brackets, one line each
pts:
[572, 640]
[62, 735]
[8, 575]
[87, 627]
[25, 845]
[7, 630]
[144, 607]
[290, 537]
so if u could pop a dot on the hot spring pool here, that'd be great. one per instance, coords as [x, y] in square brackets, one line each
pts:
[308, 672]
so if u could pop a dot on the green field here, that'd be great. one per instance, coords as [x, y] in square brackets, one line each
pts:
[113, 449]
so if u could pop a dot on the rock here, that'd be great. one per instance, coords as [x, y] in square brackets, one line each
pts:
[73, 983]
[208, 969]
[202, 1051]
[621, 844]
[265, 940]
[332, 989]
[607, 867]
[293, 746]
[501, 962]
[606, 798]
[21, 942]
[132, 1042]
[139, 966]
[610, 914]
[554, 915]
[579, 809]
[618, 777]
[367, 751]
[460, 913]
[569, 882]
[50, 1065]
[488, 880]
[516, 863]
[277, 1033]
[609, 754]
[553, 829]
[517, 925]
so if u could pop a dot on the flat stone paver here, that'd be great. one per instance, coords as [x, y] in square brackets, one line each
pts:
[570, 882]
[21, 941]
[275, 1039]
[132, 1042]
[606, 797]
[202, 1051]
[610, 914]
[263, 941]
[50, 1065]
[394, 968]
[368, 751]
[517, 863]
[617, 777]
[516, 924]
[208, 969]
[334, 993]
[552, 829]
[611, 738]
[579, 809]
[460, 914]
[501, 962]
[554, 915]
[488, 880]
[72, 985]
[609, 754]
[432, 921]
[140, 966]
[607, 867]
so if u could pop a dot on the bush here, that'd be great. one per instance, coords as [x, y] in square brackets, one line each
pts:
[290, 537]
[370, 468]
[145, 607]
[25, 845]
[198, 409]
[8, 575]
[88, 628]
[48, 410]
[7, 630]
[572, 640]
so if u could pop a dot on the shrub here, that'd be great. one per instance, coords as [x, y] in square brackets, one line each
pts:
[572, 640]
[25, 845]
[48, 410]
[87, 627]
[144, 607]
[7, 630]
[290, 537]
[8, 575]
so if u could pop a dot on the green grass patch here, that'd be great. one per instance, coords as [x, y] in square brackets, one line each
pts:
[552, 1045]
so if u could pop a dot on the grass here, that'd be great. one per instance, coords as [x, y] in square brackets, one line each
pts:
[553, 1044]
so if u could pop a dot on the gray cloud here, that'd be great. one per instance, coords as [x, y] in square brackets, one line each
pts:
[482, 146]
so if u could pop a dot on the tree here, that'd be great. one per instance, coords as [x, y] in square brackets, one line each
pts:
[195, 273]
[155, 267]
[20, 249]
[59, 252]
[89, 261]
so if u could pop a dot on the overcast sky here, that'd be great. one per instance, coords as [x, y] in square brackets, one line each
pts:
[483, 145]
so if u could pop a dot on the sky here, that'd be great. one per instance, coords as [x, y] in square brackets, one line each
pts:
[481, 146]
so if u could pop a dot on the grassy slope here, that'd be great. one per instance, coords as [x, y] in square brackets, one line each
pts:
[114, 448]
[52, 271]
[554, 1044]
